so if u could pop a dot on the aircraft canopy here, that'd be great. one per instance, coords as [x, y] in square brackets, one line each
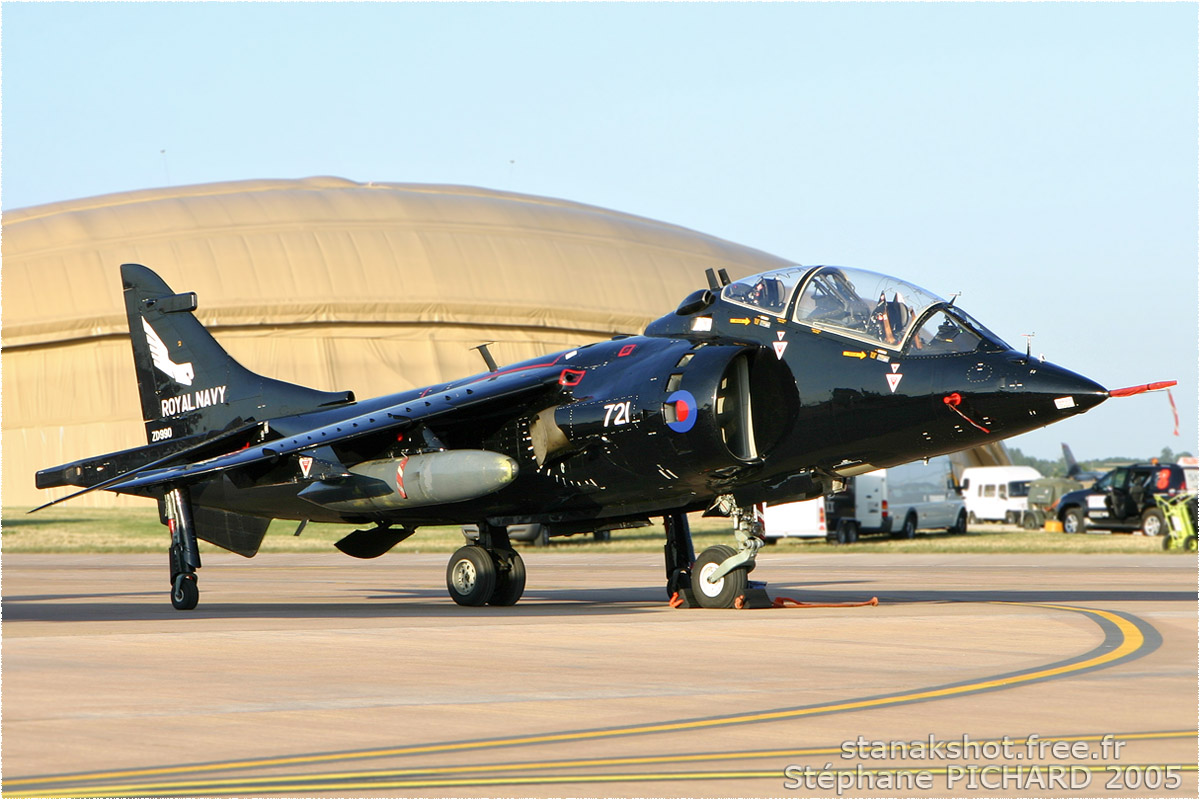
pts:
[878, 309]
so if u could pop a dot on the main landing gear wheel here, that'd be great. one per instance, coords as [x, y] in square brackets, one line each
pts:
[471, 576]
[185, 593]
[723, 592]
[510, 581]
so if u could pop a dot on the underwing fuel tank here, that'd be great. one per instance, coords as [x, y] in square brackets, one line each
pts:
[425, 479]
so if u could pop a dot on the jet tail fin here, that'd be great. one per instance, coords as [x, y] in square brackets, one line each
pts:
[1073, 467]
[188, 384]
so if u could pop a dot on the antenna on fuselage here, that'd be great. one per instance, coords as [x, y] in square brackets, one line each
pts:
[1029, 345]
[487, 356]
[724, 276]
[712, 281]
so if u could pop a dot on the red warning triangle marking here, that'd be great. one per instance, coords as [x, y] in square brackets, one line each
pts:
[779, 348]
[893, 380]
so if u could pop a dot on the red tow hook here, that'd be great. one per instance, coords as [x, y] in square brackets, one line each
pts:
[953, 401]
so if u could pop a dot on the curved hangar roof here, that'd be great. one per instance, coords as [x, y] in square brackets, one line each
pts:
[325, 282]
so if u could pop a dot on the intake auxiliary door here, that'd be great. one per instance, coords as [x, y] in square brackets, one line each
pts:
[756, 404]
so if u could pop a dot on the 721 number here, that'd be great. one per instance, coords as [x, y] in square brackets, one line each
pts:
[618, 413]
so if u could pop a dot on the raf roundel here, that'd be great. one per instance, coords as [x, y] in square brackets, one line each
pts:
[685, 411]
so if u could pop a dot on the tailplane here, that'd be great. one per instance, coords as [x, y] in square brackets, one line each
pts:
[187, 383]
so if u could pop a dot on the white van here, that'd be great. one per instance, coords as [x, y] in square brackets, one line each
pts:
[923, 496]
[861, 508]
[997, 494]
[805, 520]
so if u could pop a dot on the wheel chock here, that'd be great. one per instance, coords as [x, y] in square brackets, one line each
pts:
[684, 598]
[755, 597]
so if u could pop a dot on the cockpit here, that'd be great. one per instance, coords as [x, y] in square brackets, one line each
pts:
[876, 309]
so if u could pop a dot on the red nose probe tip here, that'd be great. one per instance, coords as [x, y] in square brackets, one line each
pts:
[1145, 387]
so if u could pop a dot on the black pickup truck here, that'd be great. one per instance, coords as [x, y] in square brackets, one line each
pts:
[1123, 499]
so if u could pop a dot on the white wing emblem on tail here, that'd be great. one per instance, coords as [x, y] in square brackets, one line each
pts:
[180, 373]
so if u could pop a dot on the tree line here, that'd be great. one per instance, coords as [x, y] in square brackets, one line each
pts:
[1058, 468]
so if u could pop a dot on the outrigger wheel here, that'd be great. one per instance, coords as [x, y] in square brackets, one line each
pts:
[185, 594]
[183, 555]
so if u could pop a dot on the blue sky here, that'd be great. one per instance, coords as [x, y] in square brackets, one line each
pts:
[1039, 158]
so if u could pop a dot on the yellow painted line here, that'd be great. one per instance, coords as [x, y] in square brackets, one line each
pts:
[632, 777]
[1132, 640]
[262, 783]
[283, 783]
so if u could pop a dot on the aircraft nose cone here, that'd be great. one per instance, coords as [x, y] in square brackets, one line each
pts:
[1063, 391]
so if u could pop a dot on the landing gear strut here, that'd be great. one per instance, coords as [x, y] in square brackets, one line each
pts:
[719, 577]
[184, 554]
[488, 572]
[679, 555]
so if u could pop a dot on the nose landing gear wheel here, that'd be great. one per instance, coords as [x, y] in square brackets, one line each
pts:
[471, 576]
[185, 594]
[725, 591]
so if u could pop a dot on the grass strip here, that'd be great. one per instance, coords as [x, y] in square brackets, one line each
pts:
[137, 530]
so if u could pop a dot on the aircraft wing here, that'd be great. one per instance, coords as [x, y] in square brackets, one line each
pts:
[478, 396]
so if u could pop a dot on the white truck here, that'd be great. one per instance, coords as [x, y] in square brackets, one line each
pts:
[997, 494]
[924, 496]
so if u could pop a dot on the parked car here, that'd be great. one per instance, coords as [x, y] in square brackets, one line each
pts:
[1123, 499]
[997, 494]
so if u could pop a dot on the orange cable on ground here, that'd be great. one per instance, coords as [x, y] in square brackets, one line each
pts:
[677, 601]
[788, 602]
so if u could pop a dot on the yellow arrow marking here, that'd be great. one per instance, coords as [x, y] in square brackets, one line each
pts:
[854, 354]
